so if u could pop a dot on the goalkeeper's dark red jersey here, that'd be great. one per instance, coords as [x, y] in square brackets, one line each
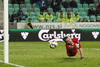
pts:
[74, 51]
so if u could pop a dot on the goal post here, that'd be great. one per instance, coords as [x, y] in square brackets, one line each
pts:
[6, 45]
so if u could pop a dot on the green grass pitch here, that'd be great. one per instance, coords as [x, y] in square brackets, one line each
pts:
[39, 54]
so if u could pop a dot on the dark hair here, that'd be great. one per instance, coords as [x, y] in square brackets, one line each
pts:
[29, 19]
[65, 38]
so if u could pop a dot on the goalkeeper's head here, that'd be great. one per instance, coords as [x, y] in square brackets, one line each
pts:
[67, 40]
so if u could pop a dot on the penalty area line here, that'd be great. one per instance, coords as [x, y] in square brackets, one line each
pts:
[1, 45]
[12, 64]
[92, 48]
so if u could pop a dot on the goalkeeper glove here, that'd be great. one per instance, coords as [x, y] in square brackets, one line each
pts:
[77, 45]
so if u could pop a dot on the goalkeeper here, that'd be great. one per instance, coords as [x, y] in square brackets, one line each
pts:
[72, 46]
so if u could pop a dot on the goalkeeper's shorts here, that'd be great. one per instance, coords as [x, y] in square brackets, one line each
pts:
[71, 53]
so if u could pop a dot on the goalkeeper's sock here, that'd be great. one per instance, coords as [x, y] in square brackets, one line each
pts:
[82, 58]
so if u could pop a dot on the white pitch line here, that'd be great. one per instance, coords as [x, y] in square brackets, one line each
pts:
[92, 48]
[1, 61]
[13, 64]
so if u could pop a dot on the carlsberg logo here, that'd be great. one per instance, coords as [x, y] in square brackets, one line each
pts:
[24, 35]
[1, 35]
[45, 36]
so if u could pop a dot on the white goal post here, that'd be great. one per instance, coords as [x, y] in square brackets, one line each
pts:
[6, 45]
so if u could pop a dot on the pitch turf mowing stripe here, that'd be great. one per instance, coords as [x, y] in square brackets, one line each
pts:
[13, 64]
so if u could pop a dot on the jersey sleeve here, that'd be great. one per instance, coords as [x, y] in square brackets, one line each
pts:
[75, 40]
[68, 46]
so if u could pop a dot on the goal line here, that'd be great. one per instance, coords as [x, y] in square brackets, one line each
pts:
[12, 64]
